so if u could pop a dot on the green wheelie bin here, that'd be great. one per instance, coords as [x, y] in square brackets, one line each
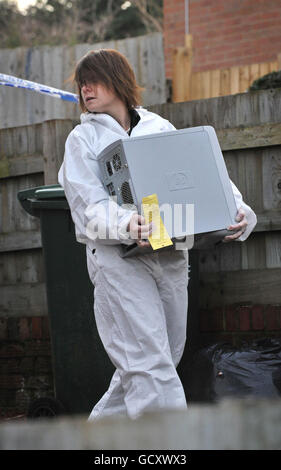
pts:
[81, 368]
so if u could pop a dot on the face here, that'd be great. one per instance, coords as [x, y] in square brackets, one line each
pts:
[97, 98]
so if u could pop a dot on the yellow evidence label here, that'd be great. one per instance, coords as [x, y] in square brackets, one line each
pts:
[159, 237]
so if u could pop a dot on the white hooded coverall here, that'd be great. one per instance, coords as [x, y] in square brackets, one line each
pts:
[140, 302]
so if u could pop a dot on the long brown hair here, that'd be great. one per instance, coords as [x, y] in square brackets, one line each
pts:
[111, 69]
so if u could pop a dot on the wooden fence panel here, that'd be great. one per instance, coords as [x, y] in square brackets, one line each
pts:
[248, 126]
[54, 66]
[213, 83]
[22, 284]
[54, 133]
[249, 131]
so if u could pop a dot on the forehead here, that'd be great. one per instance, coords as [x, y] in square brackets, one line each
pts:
[85, 75]
[90, 71]
[90, 78]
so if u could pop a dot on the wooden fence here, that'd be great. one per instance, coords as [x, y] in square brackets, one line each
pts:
[249, 130]
[248, 126]
[29, 157]
[189, 85]
[55, 65]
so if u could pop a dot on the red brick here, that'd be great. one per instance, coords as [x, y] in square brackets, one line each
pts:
[257, 317]
[11, 381]
[217, 9]
[11, 350]
[36, 328]
[231, 323]
[272, 317]
[9, 366]
[244, 318]
[212, 320]
[229, 25]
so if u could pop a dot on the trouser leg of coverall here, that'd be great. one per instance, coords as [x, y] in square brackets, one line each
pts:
[154, 300]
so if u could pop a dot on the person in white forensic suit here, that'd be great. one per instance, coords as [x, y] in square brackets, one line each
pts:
[140, 302]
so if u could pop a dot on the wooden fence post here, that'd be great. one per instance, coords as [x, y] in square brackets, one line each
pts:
[182, 67]
[279, 61]
[55, 133]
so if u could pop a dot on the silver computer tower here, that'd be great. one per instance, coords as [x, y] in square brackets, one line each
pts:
[182, 167]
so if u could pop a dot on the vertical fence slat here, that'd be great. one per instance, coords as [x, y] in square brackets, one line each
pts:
[182, 64]
[225, 82]
[273, 66]
[234, 80]
[215, 83]
[244, 78]
[54, 136]
[206, 84]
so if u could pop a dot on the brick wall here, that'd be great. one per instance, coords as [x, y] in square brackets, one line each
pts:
[25, 363]
[234, 324]
[25, 352]
[225, 32]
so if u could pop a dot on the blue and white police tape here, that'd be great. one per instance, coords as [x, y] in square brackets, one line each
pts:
[15, 82]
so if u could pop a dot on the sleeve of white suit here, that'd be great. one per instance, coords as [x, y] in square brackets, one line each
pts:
[251, 216]
[95, 214]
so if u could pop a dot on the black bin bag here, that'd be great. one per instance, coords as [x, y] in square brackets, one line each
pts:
[222, 370]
